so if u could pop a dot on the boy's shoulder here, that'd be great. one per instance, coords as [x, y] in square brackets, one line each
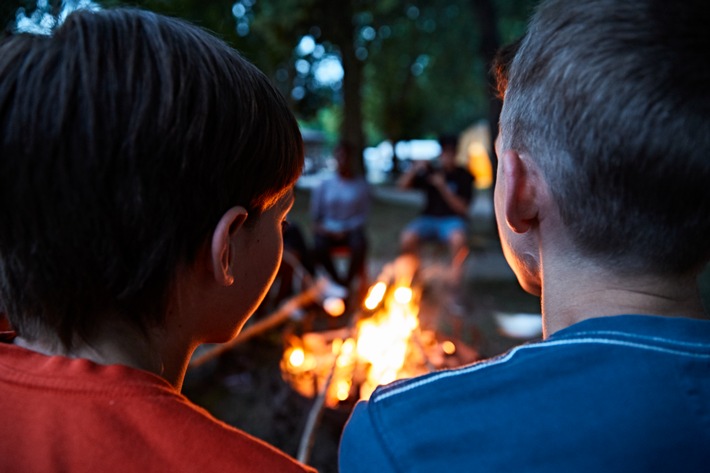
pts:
[582, 377]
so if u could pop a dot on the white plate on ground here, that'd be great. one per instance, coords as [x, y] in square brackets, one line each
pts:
[519, 325]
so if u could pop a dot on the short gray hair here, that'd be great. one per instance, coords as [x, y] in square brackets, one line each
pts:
[612, 100]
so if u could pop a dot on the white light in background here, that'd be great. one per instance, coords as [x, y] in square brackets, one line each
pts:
[368, 33]
[242, 13]
[326, 68]
[306, 46]
[302, 67]
[239, 10]
[329, 70]
[41, 21]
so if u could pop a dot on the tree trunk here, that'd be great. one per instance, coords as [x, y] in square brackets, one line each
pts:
[490, 42]
[351, 128]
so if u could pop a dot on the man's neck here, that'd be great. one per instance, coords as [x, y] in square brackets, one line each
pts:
[585, 291]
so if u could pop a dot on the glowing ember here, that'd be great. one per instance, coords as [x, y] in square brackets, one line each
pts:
[375, 295]
[403, 295]
[296, 357]
[334, 306]
[448, 347]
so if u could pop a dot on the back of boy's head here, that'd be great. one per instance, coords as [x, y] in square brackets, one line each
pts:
[611, 99]
[124, 137]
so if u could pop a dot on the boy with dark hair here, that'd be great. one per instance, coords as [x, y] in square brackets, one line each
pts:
[602, 201]
[146, 170]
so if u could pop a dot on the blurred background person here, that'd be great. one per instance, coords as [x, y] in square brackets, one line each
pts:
[448, 191]
[339, 210]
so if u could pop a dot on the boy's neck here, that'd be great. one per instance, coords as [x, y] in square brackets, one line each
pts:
[585, 291]
[123, 346]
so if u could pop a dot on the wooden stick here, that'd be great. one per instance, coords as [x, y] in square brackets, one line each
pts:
[314, 415]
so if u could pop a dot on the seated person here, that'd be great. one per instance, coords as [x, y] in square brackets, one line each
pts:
[448, 190]
[146, 170]
[339, 210]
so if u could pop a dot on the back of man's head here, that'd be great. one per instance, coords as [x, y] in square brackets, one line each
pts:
[124, 137]
[611, 99]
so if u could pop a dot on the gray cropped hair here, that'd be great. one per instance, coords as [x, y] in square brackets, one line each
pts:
[612, 100]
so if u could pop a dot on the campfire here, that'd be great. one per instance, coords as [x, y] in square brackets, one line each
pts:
[385, 341]
[394, 334]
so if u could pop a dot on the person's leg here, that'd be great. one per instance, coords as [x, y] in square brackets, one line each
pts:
[295, 242]
[419, 229]
[409, 242]
[357, 243]
[321, 253]
[454, 230]
[458, 247]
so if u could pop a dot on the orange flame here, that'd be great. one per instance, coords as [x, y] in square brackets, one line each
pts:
[385, 346]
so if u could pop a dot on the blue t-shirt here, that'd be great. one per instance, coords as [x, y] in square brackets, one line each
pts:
[611, 394]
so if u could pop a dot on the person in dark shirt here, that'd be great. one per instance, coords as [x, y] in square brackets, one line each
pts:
[448, 190]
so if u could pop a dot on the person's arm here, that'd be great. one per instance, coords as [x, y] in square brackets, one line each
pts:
[360, 447]
[406, 181]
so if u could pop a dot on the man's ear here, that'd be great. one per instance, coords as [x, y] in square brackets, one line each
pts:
[521, 191]
[221, 249]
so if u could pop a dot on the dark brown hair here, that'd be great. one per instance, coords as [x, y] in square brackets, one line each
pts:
[124, 136]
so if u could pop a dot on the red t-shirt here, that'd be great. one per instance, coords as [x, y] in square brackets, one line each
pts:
[73, 415]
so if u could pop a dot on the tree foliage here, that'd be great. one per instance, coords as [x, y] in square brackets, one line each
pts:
[411, 68]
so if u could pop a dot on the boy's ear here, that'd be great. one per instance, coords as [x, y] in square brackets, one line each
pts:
[521, 191]
[221, 248]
